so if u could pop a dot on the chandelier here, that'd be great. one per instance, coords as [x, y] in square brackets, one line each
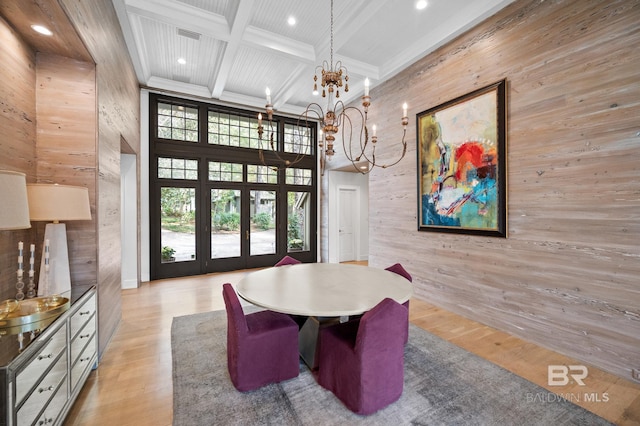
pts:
[337, 117]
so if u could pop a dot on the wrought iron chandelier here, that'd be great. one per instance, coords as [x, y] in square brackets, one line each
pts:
[361, 150]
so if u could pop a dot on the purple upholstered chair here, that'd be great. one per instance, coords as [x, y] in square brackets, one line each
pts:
[397, 268]
[287, 260]
[362, 362]
[262, 347]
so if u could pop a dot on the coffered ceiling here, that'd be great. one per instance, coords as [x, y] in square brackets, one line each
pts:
[234, 49]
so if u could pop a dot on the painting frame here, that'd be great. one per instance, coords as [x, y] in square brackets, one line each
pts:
[462, 164]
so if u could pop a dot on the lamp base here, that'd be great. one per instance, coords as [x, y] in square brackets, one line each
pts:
[58, 279]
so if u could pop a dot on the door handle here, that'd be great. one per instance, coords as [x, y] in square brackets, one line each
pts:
[247, 235]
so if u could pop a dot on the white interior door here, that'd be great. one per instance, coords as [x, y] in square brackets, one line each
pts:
[348, 200]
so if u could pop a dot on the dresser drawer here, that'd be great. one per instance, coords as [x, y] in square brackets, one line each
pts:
[81, 340]
[54, 408]
[83, 363]
[52, 386]
[33, 372]
[80, 318]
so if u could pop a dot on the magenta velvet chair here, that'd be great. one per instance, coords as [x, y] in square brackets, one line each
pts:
[397, 268]
[362, 362]
[287, 260]
[262, 347]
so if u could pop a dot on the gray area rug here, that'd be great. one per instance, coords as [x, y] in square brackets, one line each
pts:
[443, 385]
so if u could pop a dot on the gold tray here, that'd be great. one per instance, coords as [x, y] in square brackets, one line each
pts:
[34, 310]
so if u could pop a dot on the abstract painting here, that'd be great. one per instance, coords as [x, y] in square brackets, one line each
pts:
[462, 164]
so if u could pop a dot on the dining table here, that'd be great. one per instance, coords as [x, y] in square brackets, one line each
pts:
[325, 293]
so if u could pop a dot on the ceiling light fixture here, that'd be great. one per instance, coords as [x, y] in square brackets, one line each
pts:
[421, 4]
[291, 21]
[182, 61]
[337, 118]
[41, 29]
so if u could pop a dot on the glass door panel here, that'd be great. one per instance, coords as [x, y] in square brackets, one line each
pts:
[262, 232]
[298, 211]
[177, 223]
[225, 223]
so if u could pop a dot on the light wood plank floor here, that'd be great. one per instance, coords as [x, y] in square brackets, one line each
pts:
[132, 385]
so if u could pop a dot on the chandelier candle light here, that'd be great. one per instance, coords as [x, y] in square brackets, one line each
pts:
[361, 154]
[286, 162]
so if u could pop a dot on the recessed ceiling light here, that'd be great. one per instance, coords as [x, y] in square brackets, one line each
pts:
[42, 30]
[291, 21]
[182, 61]
[421, 4]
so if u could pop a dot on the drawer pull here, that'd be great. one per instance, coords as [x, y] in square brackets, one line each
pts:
[85, 359]
[85, 313]
[85, 336]
[50, 388]
[41, 357]
[45, 421]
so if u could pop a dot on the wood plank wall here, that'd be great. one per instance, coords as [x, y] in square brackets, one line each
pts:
[568, 275]
[79, 143]
[17, 143]
[51, 136]
[118, 123]
[66, 150]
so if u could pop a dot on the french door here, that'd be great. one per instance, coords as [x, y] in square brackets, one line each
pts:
[245, 229]
[216, 208]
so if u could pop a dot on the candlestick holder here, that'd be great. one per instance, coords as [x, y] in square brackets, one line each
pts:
[20, 289]
[31, 288]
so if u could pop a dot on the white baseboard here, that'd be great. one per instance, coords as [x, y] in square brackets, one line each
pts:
[128, 284]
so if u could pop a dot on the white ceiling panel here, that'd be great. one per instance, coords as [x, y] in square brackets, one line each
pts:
[312, 18]
[249, 72]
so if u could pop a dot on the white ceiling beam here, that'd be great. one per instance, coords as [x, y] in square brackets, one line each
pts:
[267, 40]
[240, 23]
[182, 15]
[291, 86]
[258, 103]
[179, 87]
[132, 39]
[141, 45]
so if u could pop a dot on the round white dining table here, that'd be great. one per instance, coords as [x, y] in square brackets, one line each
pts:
[322, 289]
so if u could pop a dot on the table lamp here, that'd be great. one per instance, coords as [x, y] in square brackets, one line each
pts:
[52, 202]
[14, 213]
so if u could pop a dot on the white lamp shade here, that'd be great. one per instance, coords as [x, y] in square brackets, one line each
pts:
[14, 211]
[52, 202]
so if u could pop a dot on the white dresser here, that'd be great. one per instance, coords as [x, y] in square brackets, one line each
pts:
[43, 369]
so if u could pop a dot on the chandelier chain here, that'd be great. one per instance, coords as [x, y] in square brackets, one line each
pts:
[331, 41]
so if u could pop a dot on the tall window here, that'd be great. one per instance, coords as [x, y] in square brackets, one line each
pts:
[214, 205]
